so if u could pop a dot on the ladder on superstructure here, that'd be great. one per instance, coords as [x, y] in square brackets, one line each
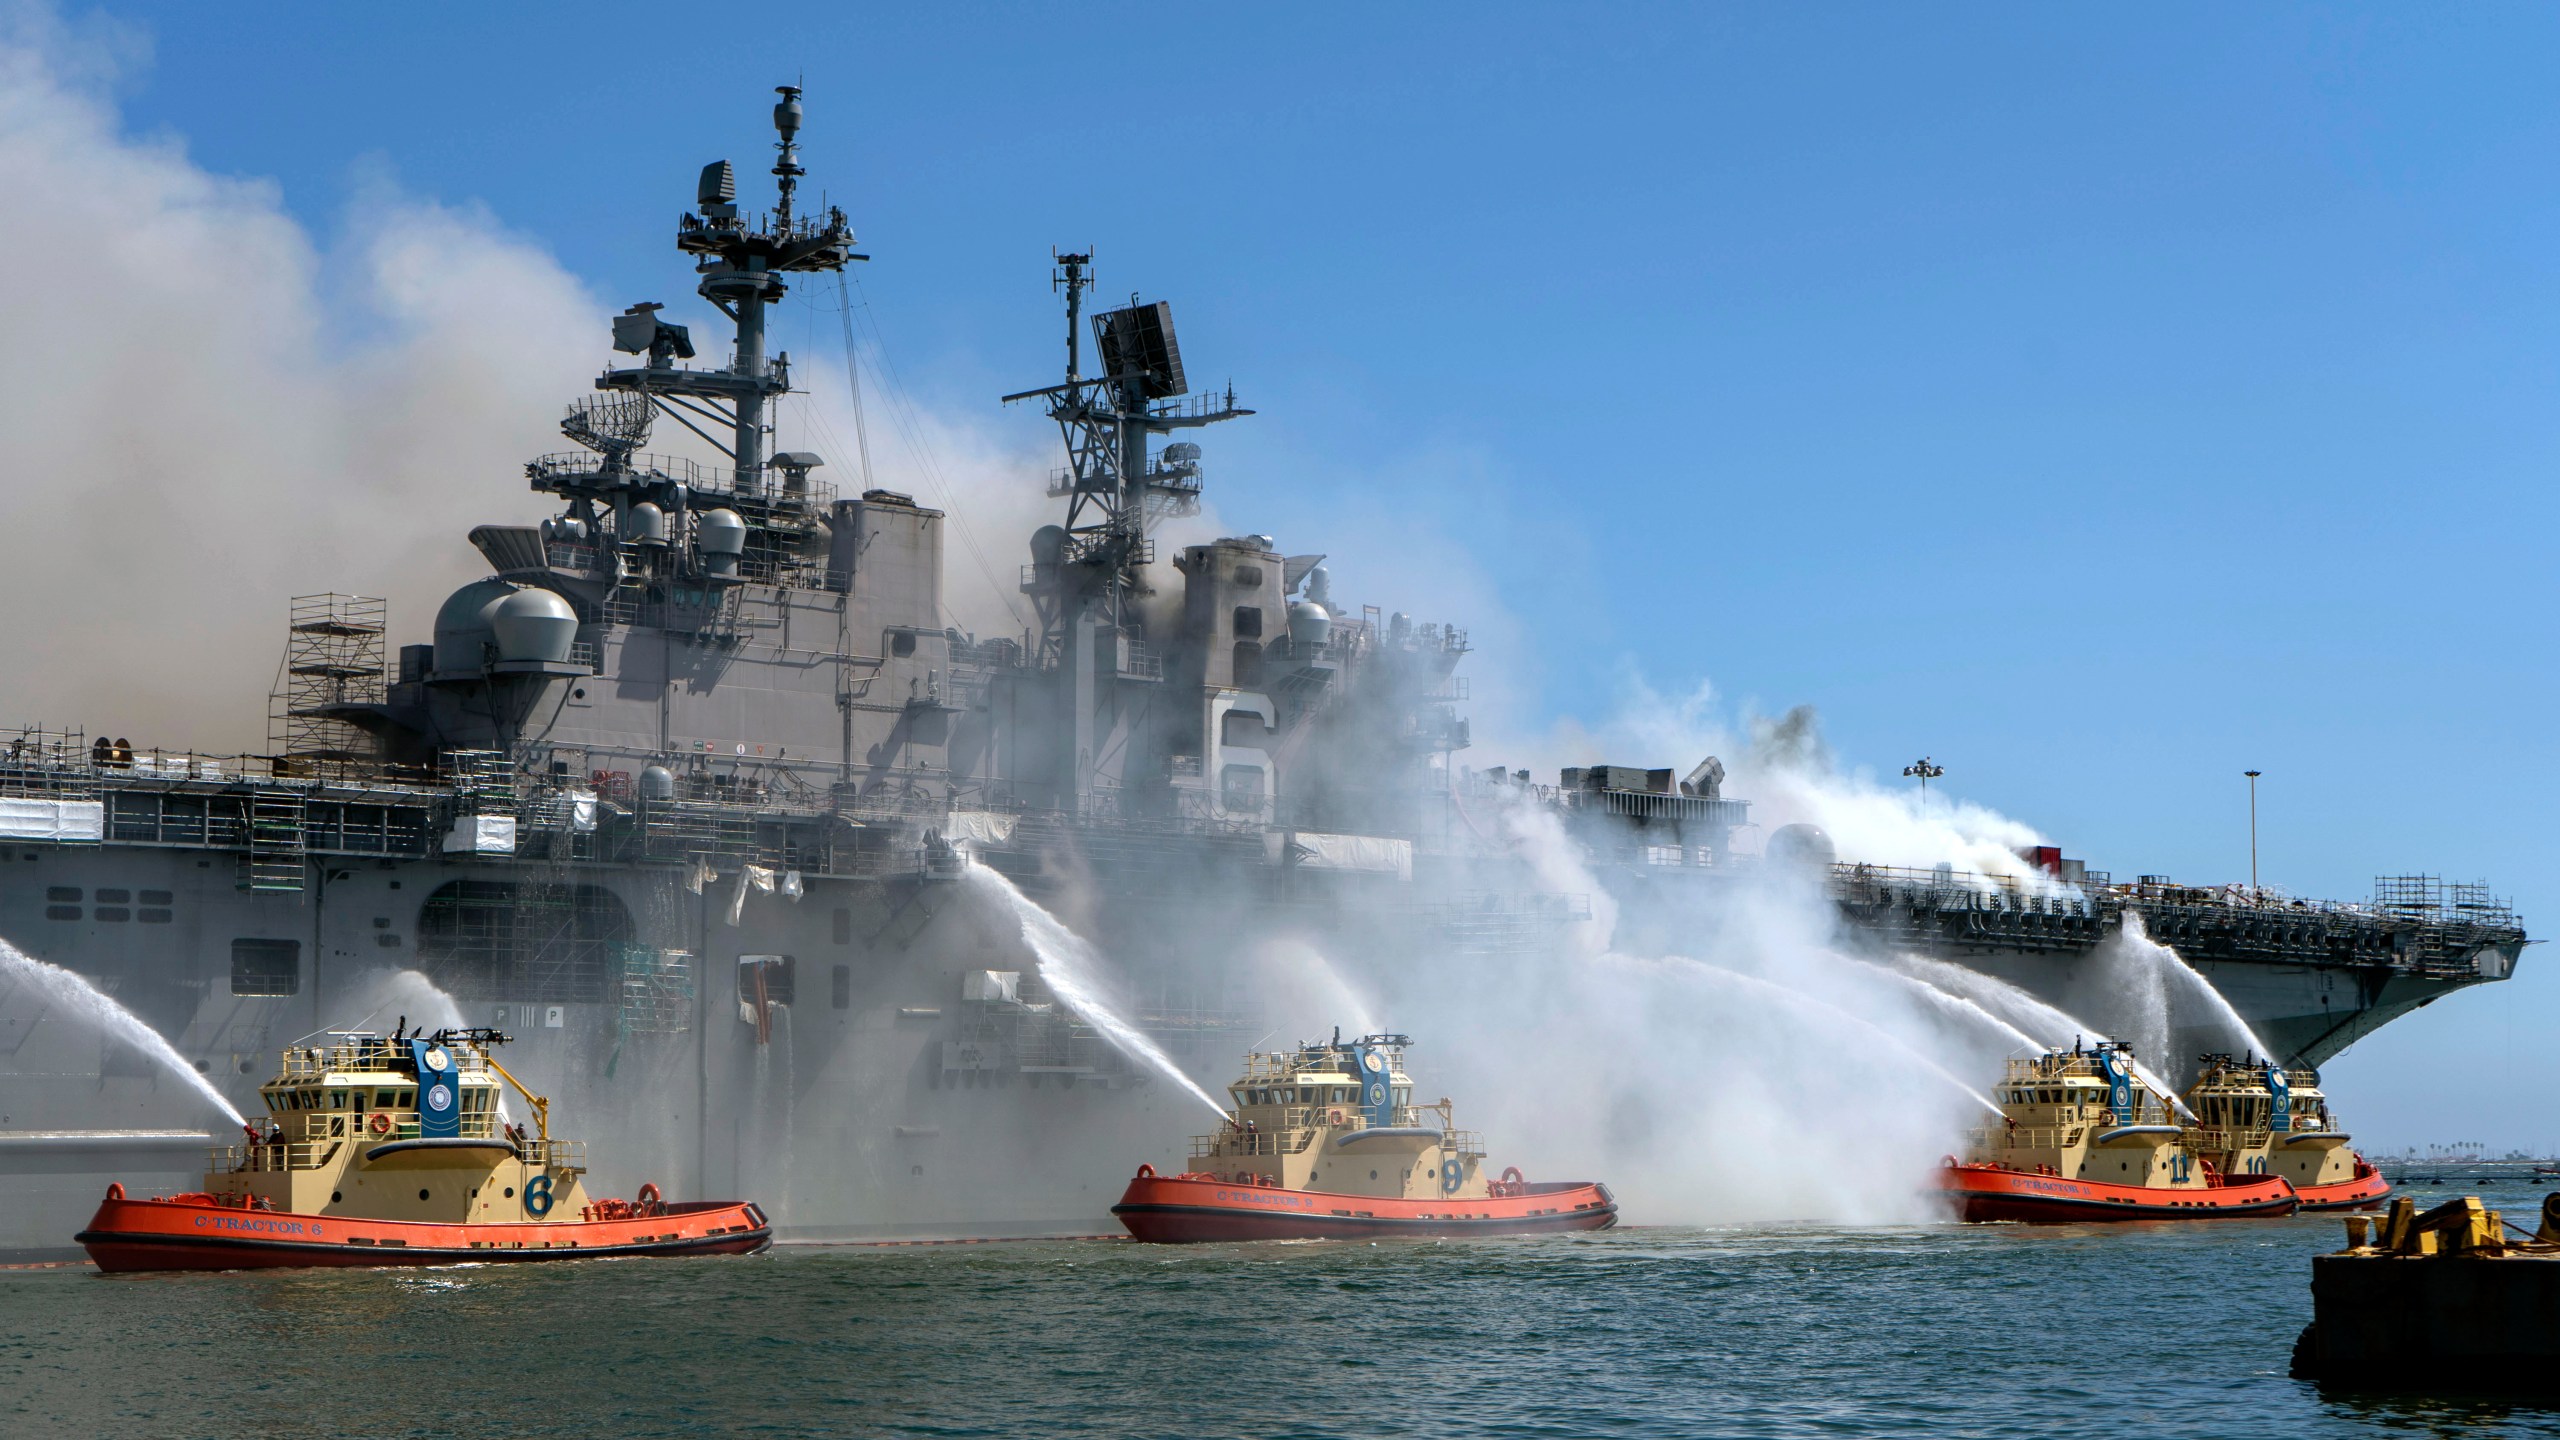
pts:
[278, 848]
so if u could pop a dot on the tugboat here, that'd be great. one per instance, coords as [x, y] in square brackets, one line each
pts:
[1325, 1142]
[394, 1150]
[2083, 1137]
[2257, 1118]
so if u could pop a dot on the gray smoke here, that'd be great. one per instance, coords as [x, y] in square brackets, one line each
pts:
[215, 409]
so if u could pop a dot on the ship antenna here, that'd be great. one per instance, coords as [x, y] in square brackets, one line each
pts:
[786, 171]
[1070, 276]
[744, 269]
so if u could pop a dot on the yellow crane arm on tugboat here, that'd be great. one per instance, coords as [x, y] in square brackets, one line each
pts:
[541, 1107]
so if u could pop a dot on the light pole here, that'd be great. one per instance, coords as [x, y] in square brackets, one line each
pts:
[1926, 773]
[2253, 832]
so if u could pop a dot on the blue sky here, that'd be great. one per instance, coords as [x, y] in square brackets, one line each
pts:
[2102, 402]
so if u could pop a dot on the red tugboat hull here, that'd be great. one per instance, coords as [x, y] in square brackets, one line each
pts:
[2361, 1193]
[1991, 1192]
[1185, 1209]
[193, 1233]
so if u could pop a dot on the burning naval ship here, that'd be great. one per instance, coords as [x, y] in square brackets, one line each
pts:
[678, 794]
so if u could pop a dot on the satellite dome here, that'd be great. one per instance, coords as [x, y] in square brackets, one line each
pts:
[657, 782]
[1310, 625]
[463, 632]
[721, 537]
[648, 524]
[534, 625]
[1804, 845]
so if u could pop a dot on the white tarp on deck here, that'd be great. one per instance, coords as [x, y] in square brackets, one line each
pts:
[53, 819]
[984, 826]
[482, 835]
[1369, 854]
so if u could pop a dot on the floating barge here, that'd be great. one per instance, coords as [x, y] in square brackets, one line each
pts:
[2455, 1298]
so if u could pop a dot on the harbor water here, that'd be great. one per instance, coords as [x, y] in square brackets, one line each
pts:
[2000, 1330]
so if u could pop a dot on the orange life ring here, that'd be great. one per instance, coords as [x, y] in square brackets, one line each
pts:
[380, 1124]
[1511, 1176]
[115, 1189]
[648, 1198]
[1333, 1116]
[1146, 1172]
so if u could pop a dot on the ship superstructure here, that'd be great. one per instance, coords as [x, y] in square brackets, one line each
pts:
[671, 792]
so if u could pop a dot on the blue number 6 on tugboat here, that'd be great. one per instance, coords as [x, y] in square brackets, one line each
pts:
[537, 1196]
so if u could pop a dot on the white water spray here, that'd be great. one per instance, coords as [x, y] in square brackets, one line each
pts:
[773, 1134]
[2145, 984]
[1073, 972]
[1310, 990]
[1960, 1006]
[2135, 941]
[412, 996]
[92, 1004]
[2051, 1022]
[1800, 1001]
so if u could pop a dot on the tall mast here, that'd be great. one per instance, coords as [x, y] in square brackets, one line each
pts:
[1087, 573]
[742, 261]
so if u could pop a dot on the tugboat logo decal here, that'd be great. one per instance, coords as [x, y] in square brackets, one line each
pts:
[2279, 1101]
[2119, 1086]
[439, 1118]
[1375, 1097]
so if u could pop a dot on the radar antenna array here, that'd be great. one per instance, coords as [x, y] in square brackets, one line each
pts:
[611, 425]
[1115, 486]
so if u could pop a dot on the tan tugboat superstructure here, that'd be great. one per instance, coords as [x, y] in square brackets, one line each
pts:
[2083, 1136]
[2250, 1117]
[396, 1150]
[1325, 1140]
